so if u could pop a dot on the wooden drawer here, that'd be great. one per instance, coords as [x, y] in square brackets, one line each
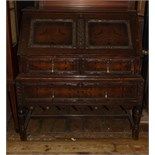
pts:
[99, 66]
[50, 65]
[74, 65]
[81, 92]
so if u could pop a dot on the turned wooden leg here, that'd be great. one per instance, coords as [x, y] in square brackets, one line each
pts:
[136, 115]
[13, 105]
[22, 129]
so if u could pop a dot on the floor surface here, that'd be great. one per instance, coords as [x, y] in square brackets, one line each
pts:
[79, 136]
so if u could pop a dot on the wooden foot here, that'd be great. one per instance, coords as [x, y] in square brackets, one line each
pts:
[136, 115]
[22, 128]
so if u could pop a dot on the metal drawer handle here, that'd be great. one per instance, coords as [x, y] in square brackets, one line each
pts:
[52, 66]
[52, 97]
[106, 95]
[108, 71]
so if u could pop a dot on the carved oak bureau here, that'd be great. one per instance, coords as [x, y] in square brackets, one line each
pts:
[79, 58]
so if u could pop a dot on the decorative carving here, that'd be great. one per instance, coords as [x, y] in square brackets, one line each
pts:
[19, 93]
[80, 33]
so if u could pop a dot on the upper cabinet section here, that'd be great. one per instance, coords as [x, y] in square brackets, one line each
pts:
[52, 33]
[110, 33]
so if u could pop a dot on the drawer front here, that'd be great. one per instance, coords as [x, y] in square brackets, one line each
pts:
[101, 66]
[79, 92]
[74, 65]
[50, 65]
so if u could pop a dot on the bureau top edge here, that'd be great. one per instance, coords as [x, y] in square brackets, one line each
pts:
[77, 10]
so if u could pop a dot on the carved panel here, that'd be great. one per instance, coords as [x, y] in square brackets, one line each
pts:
[80, 33]
[52, 33]
[108, 34]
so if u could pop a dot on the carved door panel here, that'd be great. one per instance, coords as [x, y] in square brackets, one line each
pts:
[110, 34]
[52, 33]
[47, 33]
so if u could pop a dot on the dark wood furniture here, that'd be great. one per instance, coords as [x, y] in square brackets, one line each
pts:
[79, 57]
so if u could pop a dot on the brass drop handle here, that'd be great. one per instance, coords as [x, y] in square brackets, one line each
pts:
[53, 95]
[108, 70]
[106, 95]
[52, 66]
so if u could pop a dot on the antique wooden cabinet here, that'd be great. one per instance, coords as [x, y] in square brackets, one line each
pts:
[79, 57]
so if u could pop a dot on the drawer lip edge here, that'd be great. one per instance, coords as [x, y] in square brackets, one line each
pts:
[23, 77]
